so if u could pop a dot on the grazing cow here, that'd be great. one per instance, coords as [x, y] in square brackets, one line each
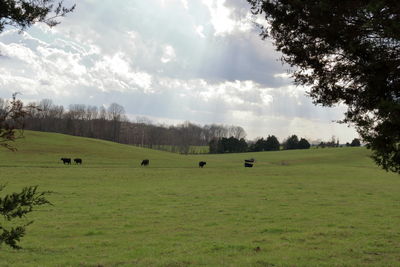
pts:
[145, 162]
[78, 161]
[66, 160]
[250, 160]
[202, 163]
[248, 165]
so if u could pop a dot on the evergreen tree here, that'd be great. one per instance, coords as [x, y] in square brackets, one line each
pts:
[303, 144]
[18, 205]
[260, 145]
[346, 52]
[15, 205]
[243, 146]
[355, 142]
[213, 146]
[292, 142]
[23, 14]
[272, 143]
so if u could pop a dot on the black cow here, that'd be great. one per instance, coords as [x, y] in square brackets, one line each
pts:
[250, 160]
[78, 161]
[202, 163]
[66, 160]
[145, 162]
[248, 165]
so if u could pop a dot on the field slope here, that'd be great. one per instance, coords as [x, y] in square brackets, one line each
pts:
[320, 207]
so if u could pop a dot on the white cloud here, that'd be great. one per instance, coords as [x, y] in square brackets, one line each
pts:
[18, 52]
[237, 95]
[50, 64]
[200, 31]
[117, 64]
[266, 97]
[220, 16]
[283, 75]
[185, 4]
[225, 23]
[168, 54]
[151, 60]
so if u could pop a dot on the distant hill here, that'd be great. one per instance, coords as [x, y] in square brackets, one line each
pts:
[293, 208]
[46, 149]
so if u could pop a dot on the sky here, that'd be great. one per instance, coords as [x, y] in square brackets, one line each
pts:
[171, 61]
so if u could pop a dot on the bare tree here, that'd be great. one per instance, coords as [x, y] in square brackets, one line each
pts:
[112, 124]
[91, 113]
[12, 116]
[116, 113]
[45, 106]
[237, 132]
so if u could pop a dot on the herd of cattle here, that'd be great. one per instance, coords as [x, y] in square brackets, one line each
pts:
[68, 161]
[248, 163]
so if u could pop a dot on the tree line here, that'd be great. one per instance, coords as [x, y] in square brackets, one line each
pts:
[112, 124]
[335, 143]
[271, 143]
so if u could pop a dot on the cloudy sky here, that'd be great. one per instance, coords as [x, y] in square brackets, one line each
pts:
[169, 60]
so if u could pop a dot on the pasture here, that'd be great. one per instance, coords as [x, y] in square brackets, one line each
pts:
[319, 207]
[176, 149]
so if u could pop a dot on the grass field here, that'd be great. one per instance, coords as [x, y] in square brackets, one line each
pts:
[320, 207]
[176, 149]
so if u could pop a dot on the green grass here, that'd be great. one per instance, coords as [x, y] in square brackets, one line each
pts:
[176, 149]
[320, 207]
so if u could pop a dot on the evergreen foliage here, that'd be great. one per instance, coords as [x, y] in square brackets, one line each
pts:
[272, 143]
[346, 52]
[269, 144]
[23, 14]
[12, 115]
[15, 205]
[259, 145]
[355, 142]
[292, 142]
[228, 145]
[234, 145]
[303, 144]
[18, 205]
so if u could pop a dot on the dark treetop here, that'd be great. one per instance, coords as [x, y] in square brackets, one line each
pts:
[346, 52]
[23, 14]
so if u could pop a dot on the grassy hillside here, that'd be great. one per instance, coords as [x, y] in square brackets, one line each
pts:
[320, 207]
